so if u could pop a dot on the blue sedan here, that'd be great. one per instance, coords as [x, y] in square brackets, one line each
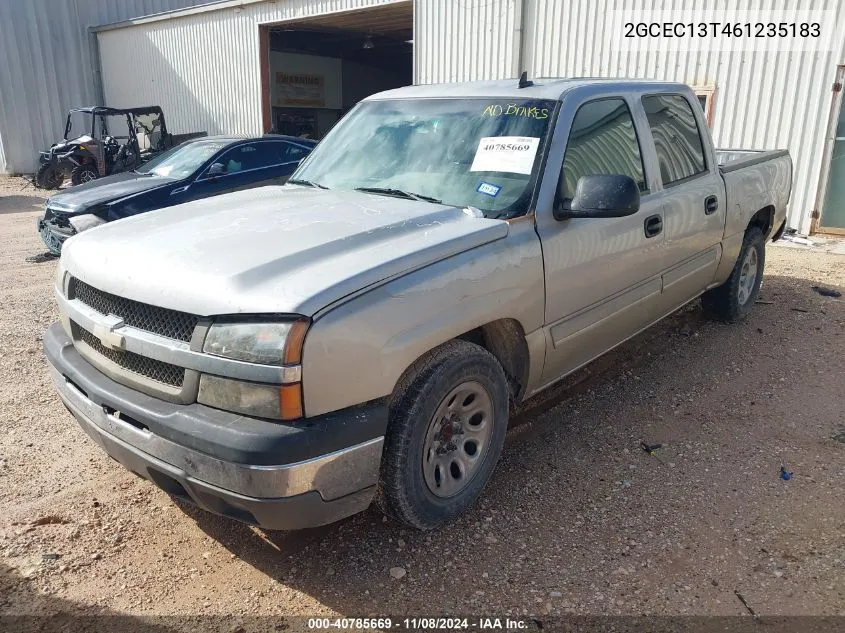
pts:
[196, 169]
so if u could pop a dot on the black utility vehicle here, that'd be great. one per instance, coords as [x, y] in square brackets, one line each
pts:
[100, 141]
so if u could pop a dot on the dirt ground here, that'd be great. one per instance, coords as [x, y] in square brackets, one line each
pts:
[577, 519]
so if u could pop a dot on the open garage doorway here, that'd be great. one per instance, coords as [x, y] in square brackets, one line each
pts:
[316, 69]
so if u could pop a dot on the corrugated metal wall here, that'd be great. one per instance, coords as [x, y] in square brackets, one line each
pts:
[762, 101]
[462, 40]
[202, 68]
[47, 67]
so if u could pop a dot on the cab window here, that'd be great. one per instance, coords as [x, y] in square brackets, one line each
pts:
[602, 141]
[677, 139]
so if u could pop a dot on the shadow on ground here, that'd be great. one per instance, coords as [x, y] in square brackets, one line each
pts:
[20, 204]
[25, 610]
[22, 610]
[563, 460]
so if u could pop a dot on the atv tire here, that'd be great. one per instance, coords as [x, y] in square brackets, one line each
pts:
[83, 173]
[49, 177]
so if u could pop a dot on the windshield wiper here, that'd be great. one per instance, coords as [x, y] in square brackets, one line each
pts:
[306, 183]
[388, 191]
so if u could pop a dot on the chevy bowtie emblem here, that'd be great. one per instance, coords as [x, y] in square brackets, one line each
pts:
[105, 331]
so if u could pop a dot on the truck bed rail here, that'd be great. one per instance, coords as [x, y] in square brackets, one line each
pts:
[733, 159]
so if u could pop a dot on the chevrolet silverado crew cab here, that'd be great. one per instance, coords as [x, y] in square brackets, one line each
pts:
[288, 354]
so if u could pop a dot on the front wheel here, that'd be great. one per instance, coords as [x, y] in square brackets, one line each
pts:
[49, 176]
[734, 299]
[448, 419]
[83, 173]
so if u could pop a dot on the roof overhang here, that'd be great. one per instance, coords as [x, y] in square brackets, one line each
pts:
[217, 5]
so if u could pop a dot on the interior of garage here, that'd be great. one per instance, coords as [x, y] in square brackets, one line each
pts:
[318, 68]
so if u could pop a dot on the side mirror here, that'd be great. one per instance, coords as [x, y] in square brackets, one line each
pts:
[601, 196]
[216, 169]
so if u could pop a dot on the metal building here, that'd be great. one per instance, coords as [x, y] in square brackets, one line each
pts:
[48, 67]
[247, 66]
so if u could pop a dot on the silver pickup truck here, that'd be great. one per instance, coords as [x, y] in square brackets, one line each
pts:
[285, 355]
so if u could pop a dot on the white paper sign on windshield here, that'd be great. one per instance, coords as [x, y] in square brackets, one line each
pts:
[510, 154]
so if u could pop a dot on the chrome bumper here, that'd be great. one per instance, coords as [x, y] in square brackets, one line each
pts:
[333, 475]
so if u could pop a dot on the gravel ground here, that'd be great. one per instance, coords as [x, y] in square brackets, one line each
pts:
[577, 519]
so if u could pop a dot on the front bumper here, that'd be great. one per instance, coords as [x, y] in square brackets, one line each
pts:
[264, 473]
[53, 236]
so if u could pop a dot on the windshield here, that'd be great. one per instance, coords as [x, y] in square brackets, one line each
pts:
[148, 130]
[78, 124]
[483, 153]
[181, 161]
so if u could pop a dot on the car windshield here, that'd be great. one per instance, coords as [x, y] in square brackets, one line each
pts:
[181, 161]
[483, 153]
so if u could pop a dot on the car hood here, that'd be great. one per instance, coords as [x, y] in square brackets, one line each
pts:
[82, 198]
[285, 249]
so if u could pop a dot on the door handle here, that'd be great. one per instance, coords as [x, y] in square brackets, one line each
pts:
[653, 225]
[711, 205]
[179, 190]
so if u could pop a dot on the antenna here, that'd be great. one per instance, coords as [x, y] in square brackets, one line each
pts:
[524, 81]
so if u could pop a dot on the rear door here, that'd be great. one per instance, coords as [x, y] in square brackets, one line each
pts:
[693, 194]
[602, 275]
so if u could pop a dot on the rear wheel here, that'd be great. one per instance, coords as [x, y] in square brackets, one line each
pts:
[447, 426]
[83, 173]
[734, 299]
[49, 176]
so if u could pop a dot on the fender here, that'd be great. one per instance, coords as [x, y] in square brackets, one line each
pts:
[356, 351]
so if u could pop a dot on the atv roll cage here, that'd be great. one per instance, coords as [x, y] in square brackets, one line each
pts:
[146, 122]
[95, 151]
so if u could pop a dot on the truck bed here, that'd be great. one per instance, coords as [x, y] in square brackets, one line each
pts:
[754, 180]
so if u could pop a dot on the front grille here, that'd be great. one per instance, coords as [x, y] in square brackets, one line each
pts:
[155, 370]
[57, 218]
[161, 321]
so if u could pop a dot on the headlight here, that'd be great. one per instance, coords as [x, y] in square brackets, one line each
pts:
[262, 343]
[250, 398]
[265, 343]
[85, 222]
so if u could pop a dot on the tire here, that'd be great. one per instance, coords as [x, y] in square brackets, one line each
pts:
[408, 488]
[49, 176]
[83, 173]
[734, 299]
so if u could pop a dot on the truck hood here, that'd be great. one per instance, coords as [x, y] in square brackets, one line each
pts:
[288, 249]
[82, 198]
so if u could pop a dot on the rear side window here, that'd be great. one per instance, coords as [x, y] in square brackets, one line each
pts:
[292, 153]
[677, 139]
[243, 157]
[602, 141]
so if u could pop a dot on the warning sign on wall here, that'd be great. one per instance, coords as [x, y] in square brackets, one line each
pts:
[300, 89]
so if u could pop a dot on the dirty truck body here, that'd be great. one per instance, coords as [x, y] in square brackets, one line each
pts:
[286, 355]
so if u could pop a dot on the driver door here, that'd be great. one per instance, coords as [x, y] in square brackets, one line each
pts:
[239, 164]
[602, 274]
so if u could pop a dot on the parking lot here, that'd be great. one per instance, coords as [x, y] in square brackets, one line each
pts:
[577, 519]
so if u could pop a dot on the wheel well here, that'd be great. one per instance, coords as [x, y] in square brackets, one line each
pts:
[763, 220]
[505, 339]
